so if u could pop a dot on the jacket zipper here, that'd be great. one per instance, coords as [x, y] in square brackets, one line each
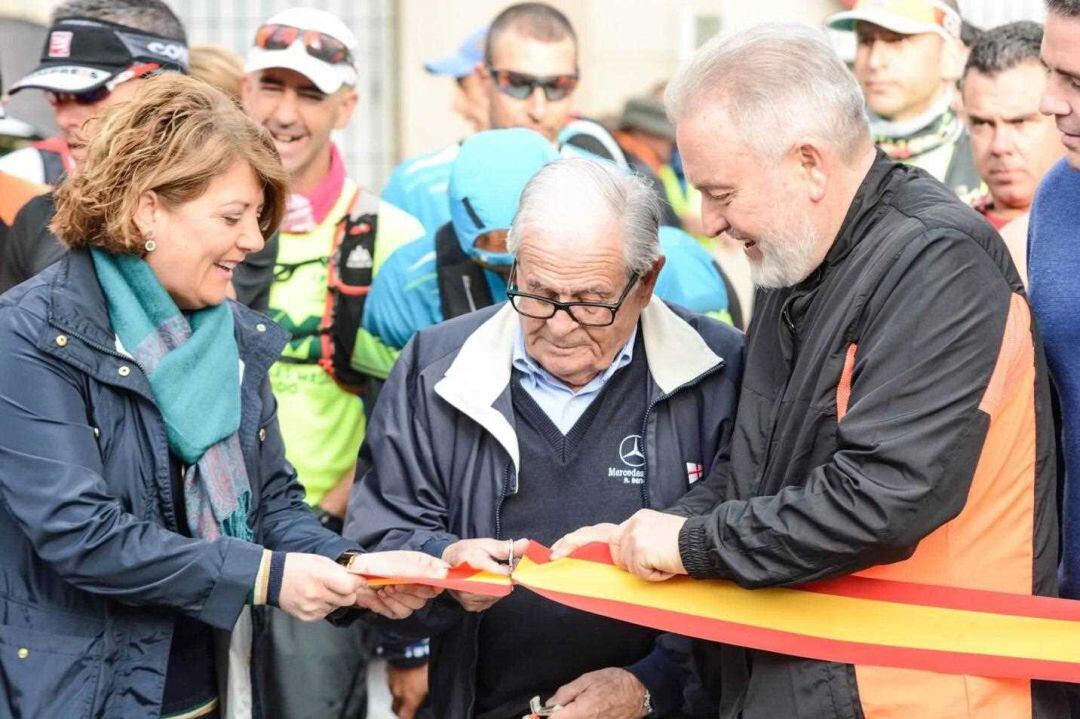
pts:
[502, 497]
[646, 503]
[785, 316]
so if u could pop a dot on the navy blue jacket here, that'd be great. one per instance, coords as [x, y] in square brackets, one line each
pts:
[441, 453]
[93, 570]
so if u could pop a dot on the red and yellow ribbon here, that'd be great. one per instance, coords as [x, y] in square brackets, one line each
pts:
[853, 620]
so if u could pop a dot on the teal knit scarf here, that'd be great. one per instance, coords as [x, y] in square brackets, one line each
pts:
[193, 366]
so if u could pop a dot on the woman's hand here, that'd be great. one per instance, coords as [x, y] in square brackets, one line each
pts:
[399, 600]
[313, 586]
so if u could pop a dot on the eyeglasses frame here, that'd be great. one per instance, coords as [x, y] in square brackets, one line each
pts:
[567, 307]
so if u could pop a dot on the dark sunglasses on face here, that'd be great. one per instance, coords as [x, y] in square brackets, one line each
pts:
[319, 45]
[56, 99]
[520, 85]
[91, 97]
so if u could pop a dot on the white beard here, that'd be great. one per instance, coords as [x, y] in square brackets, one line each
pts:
[788, 254]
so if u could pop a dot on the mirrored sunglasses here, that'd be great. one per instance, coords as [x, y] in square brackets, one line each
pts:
[520, 85]
[317, 44]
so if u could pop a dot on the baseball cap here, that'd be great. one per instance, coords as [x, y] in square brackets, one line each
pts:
[462, 62]
[486, 180]
[907, 17]
[646, 114]
[83, 54]
[314, 43]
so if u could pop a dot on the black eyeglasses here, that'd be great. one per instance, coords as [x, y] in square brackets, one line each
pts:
[587, 314]
[520, 85]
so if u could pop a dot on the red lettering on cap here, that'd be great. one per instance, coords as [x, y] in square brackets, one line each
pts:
[60, 43]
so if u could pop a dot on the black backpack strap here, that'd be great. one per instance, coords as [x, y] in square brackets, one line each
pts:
[463, 286]
[348, 276]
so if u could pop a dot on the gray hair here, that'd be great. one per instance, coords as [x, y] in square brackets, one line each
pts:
[581, 183]
[1067, 8]
[152, 16]
[1003, 48]
[778, 82]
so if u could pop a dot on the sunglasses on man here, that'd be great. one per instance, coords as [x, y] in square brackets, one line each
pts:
[317, 44]
[92, 97]
[520, 85]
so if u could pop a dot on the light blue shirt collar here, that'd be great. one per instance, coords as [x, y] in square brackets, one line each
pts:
[563, 405]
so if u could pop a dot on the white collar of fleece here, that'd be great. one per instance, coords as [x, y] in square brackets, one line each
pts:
[480, 373]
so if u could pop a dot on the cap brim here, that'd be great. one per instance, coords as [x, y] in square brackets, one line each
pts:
[325, 77]
[66, 78]
[454, 66]
[847, 20]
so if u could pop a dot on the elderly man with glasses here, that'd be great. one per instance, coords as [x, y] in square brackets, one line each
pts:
[582, 398]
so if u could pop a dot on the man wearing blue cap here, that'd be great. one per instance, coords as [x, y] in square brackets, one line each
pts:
[469, 99]
[582, 396]
[528, 72]
[463, 266]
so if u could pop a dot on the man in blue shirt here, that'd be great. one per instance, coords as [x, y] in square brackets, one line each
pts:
[1054, 263]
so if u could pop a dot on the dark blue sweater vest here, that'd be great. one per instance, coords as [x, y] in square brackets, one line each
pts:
[528, 645]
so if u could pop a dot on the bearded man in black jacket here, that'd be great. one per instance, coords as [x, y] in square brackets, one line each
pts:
[894, 414]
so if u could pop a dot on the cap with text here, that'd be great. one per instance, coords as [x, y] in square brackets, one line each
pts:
[82, 54]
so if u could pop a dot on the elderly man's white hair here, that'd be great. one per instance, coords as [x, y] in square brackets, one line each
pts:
[778, 82]
[572, 191]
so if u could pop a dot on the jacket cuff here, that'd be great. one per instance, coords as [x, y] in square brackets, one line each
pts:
[336, 545]
[240, 565]
[436, 546]
[696, 550]
[404, 653]
[662, 678]
[277, 577]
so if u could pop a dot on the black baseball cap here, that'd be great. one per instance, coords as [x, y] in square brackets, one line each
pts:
[83, 54]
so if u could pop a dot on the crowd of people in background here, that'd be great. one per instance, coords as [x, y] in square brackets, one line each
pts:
[768, 323]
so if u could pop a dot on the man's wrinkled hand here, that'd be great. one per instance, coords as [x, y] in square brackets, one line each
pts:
[611, 693]
[489, 555]
[648, 545]
[408, 688]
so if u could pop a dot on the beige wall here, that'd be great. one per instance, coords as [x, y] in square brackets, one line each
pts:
[626, 47]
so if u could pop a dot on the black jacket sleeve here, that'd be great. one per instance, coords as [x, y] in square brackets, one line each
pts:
[30, 246]
[928, 342]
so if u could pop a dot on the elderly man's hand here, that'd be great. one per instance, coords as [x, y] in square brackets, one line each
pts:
[611, 693]
[490, 555]
[604, 533]
[647, 544]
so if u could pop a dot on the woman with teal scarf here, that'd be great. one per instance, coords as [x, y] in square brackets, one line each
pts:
[148, 517]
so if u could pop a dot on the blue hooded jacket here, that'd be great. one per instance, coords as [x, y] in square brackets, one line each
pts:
[491, 170]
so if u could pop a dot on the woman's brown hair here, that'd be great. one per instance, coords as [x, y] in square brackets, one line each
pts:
[172, 138]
